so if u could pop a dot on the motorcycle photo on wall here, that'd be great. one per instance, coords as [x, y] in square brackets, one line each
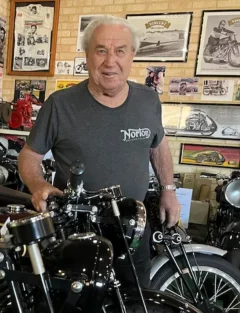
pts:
[201, 120]
[219, 47]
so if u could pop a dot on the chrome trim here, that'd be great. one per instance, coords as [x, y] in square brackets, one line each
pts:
[141, 220]
[159, 261]
[29, 220]
[80, 236]
[16, 208]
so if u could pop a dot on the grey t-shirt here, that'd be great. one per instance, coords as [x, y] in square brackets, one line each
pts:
[113, 143]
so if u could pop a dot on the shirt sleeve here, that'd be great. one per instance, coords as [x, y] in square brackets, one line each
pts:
[45, 129]
[159, 133]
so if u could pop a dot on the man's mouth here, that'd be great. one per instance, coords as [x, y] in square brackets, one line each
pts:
[109, 74]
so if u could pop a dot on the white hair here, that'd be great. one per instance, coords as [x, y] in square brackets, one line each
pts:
[110, 20]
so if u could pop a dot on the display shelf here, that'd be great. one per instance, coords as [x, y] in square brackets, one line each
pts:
[14, 132]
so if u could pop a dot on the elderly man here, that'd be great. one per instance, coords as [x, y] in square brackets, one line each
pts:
[112, 125]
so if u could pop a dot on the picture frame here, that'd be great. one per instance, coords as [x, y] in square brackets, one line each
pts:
[80, 67]
[201, 120]
[164, 36]
[210, 155]
[219, 42]
[32, 38]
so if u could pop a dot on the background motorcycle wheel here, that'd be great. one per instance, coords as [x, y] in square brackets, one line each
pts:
[219, 281]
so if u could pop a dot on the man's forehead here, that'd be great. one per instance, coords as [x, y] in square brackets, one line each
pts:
[111, 32]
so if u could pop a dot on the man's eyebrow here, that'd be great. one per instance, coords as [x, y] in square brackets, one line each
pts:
[102, 46]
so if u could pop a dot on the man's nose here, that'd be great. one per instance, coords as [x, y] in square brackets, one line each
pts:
[110, 58]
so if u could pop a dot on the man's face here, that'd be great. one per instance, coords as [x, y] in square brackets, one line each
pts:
[151, 74]
[60, 66]
[109, 57]
[34, 11]
[222, 25]
[33, 29]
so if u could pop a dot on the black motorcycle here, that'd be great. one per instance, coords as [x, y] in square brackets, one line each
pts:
[63, 260]
[224, 229]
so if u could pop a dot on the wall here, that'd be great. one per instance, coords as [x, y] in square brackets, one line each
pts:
[66, 49]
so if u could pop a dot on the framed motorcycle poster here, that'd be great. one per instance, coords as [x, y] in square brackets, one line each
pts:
[201, 120]
[219, 45]
[32, 37]
[163, 37]
[208, 155]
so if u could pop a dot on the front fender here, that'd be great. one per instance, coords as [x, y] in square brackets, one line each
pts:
[156, 298]
[163, 258]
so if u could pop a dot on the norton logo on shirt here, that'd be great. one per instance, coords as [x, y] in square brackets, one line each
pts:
[136, 134]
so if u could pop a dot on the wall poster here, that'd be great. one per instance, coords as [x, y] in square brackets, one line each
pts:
[2, 39]
[219, 46]
[164, 37]
[32, 37]
[155, 78]
[201, 120]
[208, 155]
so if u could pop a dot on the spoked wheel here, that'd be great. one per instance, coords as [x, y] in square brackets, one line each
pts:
[217, 279]
[136, 307]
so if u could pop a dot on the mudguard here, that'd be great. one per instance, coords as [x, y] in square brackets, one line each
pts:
[159, 261]
[158, 298]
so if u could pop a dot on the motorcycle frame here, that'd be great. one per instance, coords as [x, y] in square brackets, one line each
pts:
[16, 278]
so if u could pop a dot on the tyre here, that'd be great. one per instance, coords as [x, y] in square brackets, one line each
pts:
[234, 55]
[136, 307]
[207, 56]
[218, 280]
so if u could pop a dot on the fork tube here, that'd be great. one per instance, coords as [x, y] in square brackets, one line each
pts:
[180, 273]
[117, 214]
[191, 271]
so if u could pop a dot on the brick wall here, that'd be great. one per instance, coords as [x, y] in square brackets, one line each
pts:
[66, 49]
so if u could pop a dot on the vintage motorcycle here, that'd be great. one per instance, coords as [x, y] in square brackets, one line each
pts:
[199, 121]
[228, 51]
[89, 223]
[224, 229]
[63, 260]
[217, 279]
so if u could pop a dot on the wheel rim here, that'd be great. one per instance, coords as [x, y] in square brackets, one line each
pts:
[220, 288]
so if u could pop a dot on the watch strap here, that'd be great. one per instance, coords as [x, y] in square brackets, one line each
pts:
[168, 187]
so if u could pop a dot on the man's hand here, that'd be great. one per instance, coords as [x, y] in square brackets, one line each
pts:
[43, 191]
[169, 208]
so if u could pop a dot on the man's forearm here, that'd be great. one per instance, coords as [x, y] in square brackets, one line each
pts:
[29, 165]
[161, 160]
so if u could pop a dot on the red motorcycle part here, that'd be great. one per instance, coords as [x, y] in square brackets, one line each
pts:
[16, 120]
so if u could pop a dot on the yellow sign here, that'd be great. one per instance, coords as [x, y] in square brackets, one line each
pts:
[66, 83]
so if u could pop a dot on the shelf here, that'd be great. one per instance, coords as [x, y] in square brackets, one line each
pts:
[14, 132]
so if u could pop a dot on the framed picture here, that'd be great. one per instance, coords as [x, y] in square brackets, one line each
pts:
[32, 37]
[208, 155]
[164, 37]
[219, 45]
[201, 120]
[64, 67]
[80, 67]
[83, 22]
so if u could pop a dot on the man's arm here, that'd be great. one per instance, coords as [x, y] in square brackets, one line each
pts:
[161, 160]
[29, 165]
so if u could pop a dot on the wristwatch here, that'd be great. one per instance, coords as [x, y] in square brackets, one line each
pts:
[168, 187]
